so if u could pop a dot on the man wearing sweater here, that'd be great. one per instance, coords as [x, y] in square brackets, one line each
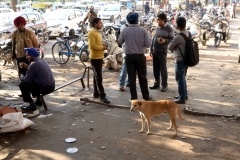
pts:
[163, 36]
[177, 44]
[38, 79]
[97, 48]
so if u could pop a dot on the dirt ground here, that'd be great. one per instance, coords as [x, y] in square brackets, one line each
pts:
[213, 87]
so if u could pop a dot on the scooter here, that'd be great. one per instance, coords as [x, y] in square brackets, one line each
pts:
[222, 31]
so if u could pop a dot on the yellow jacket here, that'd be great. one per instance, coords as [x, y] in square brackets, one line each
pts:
[95, 44]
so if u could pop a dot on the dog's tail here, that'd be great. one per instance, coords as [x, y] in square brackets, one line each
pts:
[179, 113]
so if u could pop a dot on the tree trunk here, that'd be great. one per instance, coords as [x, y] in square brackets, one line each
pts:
[187, 5]
[14, 3]
[206, 2]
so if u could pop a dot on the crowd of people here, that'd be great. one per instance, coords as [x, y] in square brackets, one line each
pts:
[134, 41]
[37, 78]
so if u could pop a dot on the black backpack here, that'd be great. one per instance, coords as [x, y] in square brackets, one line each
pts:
[191, 57]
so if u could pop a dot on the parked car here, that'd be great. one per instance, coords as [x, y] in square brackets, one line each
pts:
[34, 10]
[99, 5]
[34, 20]
[58, 19]
[21, 7]
[114, 11]
[6, 10]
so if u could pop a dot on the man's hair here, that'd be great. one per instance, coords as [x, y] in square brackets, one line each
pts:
[95, 21]
[181, 22]
[162, 16]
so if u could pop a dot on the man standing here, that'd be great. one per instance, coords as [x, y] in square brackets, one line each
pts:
[97, 48]
[163, 36]
[136, 39]
[146, 8]
[90, 16]
[177, 44]
[22, 38]
[38, 79]
[233, 10]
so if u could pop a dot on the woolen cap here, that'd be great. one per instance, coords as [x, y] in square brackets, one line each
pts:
[19, 20]
[32, 52]
[132, 18]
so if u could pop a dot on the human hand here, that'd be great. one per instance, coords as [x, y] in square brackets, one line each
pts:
[23, 65]
[105, 46]
[161, 40]
[151, 53]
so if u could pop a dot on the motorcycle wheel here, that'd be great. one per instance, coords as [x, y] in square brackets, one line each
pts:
[46, 37]
[217, 42]
[204, 42]
[84, 56]
[112, 20]
[3, 60]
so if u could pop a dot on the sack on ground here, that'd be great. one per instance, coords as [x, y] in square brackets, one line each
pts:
[111, 62]
[12, 122]
[191, 57]
[6, 109]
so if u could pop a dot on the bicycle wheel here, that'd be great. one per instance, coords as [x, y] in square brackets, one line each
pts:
[57, 48]
[84, 56]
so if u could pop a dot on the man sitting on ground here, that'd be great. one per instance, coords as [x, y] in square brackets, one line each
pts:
[38, 79]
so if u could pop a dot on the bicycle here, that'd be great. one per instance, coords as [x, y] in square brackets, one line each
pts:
[64, 48]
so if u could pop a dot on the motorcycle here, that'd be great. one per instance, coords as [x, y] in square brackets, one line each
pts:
[42, 35]
[6, 51]
[222, 31]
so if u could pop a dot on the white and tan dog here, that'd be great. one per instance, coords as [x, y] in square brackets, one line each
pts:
[148, 109]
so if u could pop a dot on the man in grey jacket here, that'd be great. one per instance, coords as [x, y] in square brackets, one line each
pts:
[180, 68]
[163, 36]
[135, 39]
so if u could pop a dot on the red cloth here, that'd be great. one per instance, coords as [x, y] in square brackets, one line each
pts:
[19, 20]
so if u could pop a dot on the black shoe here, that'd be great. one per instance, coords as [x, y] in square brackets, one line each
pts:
[38, 103]
[155, 86]
[163, 88]
[149, 98]
[176, 97]
[104, 100]
[178, 101]
[31, 107]
[127, 85]
[95, 95]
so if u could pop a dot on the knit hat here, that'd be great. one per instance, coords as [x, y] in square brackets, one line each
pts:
[19, 20]
[32, 52]
[132, 18]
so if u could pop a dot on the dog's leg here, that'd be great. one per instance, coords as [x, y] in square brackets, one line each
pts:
[170, 125]
[143, 123]
[175, 125]
[149, 125]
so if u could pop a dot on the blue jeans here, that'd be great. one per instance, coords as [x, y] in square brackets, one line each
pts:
[123, 75]
[180, 74]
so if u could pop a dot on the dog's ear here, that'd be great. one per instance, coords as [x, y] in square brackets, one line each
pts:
[139, 103]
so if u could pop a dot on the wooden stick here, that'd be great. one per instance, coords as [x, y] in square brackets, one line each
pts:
[105, 104]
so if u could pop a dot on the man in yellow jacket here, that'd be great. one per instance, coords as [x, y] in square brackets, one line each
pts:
[96, 48]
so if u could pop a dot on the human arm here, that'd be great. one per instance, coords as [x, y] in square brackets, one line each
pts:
[169, 39]
[121, 37]
[30, 73]
[173, 44]
[147, 39]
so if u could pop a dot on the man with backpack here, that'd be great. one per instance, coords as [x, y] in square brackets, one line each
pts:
[177, 45]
